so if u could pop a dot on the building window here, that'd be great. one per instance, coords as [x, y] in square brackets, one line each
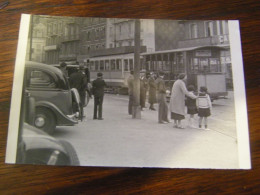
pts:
[209, 29]
[193, 31]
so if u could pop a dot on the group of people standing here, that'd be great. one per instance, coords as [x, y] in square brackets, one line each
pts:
[80, 79]
[197, 103]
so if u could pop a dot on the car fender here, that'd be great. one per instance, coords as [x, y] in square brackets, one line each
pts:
[62, 119]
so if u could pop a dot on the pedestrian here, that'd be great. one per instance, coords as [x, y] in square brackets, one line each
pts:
[161, 96]
[78, 80]
[177, 100]
[98, 86]
[191, 107]
[130, 83]
[63, 68]
[143, 88]
[89, 86]
[152, 91]
[204, 107]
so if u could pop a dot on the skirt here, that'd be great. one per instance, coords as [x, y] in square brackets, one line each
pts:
[176, 116]
[204, 112]
[192, 110]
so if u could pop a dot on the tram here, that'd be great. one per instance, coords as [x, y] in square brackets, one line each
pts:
[202, 65]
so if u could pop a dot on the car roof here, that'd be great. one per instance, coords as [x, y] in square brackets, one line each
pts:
[43, 66]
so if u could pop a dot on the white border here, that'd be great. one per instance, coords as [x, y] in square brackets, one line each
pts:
[238, 83]
[16, 99]
[239, 95]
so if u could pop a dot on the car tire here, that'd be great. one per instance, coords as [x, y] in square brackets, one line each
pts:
[49, 118]
[74, 160]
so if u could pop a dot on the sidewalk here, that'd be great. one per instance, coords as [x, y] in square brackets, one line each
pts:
[119, 140]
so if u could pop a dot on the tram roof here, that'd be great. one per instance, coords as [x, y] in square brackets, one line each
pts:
[224, 47]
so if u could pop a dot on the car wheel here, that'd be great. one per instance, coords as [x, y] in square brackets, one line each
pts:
[45, 120]
[74, 160]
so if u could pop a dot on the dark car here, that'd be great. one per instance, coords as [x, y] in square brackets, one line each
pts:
[40, 148]
[56, 104]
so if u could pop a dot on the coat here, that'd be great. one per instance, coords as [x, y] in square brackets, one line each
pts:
[98, 86]
[130, 83]
[177, 100]
[78, 80]
[152, 91]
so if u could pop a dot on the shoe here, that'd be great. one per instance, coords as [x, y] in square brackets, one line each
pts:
[175, 126]
[167, 121]
[94, 118]
[162, 122]
[180, 127]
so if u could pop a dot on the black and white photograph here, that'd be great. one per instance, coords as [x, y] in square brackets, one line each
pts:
[118, 92]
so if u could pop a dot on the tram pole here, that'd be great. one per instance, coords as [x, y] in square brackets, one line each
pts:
[136, 111]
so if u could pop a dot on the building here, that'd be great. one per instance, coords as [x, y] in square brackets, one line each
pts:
[37, 41]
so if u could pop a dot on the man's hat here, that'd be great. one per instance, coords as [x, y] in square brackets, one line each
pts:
[99, 74]
[143, 71]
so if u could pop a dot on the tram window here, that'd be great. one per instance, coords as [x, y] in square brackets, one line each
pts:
[92, 65]
[204, 65]
[102, 65]
[160, 65]
[107, 64]
[96, 65]
[195, 65]
[118, 64]
[131, 64]
[126, 65]
[113, 65]
[214, 65]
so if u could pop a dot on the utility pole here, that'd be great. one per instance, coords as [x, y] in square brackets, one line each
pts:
[136, 92]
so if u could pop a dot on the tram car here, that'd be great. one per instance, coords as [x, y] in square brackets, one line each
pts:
[202, 65]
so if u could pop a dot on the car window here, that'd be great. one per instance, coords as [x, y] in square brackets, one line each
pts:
[40, 79]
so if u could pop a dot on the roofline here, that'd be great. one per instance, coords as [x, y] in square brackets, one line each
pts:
[224, 47]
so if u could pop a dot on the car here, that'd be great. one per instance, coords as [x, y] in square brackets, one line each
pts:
[56, 104]
[37, 147]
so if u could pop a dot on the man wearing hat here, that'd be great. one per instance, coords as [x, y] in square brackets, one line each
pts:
[143, 88]
[161, 96]
[78, 80]
[98, 86]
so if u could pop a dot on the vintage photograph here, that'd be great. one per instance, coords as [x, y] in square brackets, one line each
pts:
[120, 92]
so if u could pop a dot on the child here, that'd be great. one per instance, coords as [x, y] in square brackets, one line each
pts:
[204, 106]
[191, 106]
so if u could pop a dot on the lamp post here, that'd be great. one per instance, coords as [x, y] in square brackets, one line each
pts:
[136, 111]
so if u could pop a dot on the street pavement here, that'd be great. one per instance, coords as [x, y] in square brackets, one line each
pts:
[121, 141]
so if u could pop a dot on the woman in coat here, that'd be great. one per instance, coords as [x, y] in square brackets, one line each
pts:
[177, 101]
[152, 91]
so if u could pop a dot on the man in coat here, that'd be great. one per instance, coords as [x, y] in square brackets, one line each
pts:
[98, 86]
[130, 83]
[161, 96]
[78, 80]
[143, 88]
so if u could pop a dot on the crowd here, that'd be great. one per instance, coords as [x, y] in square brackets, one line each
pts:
[196, 103]
[153, 84]
[80, 79]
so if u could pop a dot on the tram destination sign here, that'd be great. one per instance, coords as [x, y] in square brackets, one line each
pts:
[203, 53]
